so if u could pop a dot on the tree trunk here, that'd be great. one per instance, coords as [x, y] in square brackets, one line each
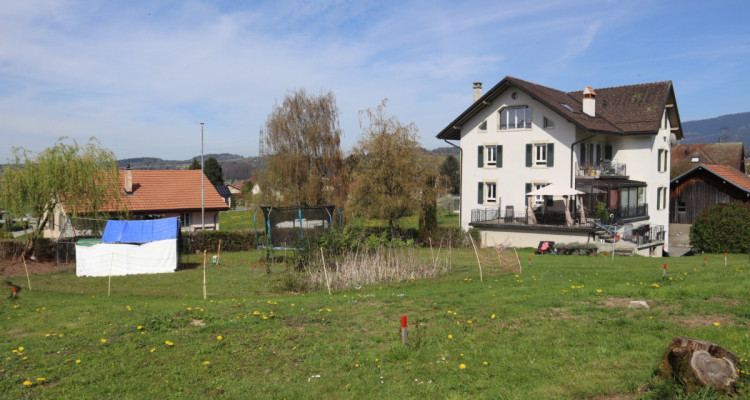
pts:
[699, 363]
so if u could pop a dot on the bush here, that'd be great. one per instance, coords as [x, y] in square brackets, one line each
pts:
[722, 228]
[191, 242]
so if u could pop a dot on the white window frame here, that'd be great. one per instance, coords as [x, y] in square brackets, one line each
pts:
[663, 159]
[538, 200]
[540, 154]
[661, 201]
[490, 192]
[483, 126]
[490, 155]
[505, 114]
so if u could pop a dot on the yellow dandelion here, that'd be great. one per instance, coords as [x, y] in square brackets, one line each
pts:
[219, 337]
[153, 350]
[462, 366]
[103, 340]
[493, 316]
[599, 290]
[21, 348]
[47, 335]
[40, 380]
[717, 323]
[450, 336]
[140, 327]
[27, 383]
[485, 363]
[168, 343]
[78, 361]
[206, 362]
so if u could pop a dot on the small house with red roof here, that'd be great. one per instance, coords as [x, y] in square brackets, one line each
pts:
[153, 194]
[703, 185]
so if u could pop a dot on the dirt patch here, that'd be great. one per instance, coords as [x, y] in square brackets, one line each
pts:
[617, 302]
[13, 268]
[731, 302]
[560, 314]
[699, 321]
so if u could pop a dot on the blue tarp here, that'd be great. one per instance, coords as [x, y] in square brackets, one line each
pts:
[140, 231]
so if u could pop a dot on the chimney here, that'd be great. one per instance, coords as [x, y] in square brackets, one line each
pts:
[589, 101]
[477, 91]
[128, 179]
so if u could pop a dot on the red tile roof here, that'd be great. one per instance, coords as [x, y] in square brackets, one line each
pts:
[622, 110]
[169, 190]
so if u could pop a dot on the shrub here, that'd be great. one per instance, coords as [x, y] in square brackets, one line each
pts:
[722, 228]
[209, 240]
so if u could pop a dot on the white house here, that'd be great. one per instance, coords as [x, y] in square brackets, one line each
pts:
[610, 144]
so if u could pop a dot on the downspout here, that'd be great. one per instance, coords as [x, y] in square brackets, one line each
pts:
[461, 174]
[572, 154]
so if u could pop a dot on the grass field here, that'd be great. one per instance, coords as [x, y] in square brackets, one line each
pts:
[561, 329]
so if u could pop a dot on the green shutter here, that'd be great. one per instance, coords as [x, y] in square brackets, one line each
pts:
[480, 156]
[550, 154]
[528, 155]
[480, 193]
[525, 200]
[499, 152]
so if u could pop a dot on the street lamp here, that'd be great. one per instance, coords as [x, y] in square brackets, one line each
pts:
[203, 190]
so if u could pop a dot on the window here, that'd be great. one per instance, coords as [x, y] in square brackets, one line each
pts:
[663, 160]
[681, 206]
[515, 118]
[548, 123]
[483, 126]
[607, 152]
[185, 219]
[538, 200]
[540, 155]
[490, 156]
[487, 192]
[491, 192]
[661, 198]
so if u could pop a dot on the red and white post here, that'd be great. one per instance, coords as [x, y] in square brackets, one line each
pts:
[404, 333]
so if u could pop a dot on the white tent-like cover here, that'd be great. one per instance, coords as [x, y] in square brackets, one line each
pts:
[130, 247]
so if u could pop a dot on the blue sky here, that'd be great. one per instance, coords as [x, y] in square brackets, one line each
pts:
[139, 75]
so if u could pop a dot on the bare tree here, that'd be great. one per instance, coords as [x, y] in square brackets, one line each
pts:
[387, 174]
[302, 153]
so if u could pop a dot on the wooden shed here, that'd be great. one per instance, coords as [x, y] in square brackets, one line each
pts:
[703, 185]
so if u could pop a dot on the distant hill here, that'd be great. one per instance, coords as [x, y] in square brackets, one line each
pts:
[235, 167]
[710, 130]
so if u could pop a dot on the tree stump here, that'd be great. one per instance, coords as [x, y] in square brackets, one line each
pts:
[699, 363]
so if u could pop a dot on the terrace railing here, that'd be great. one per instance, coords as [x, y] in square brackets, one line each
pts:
[605, 168]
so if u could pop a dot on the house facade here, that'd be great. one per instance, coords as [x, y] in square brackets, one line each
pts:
[611, 145]
[153, 194]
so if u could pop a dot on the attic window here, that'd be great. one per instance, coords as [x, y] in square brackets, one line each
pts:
[695, 159]
[483, 126]
[567, 107]
[514, 95]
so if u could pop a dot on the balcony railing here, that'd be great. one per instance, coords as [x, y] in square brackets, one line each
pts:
[550, 218]
[622, 212]
[605, 168]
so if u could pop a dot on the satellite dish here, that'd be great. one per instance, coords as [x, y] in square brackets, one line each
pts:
[672, 138]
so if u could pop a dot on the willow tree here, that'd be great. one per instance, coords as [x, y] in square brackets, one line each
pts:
[78, 180]
[387, 176]
[304, 165]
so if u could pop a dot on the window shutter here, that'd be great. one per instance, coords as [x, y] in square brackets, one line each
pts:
[550, 154]
[480, 156]
[528, 155]
[499, 154]
[480, 193]
[658, 199]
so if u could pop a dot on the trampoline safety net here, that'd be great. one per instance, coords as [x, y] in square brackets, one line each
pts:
[287, 226]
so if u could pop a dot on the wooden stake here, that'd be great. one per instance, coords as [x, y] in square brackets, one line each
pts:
[325, 271]
[27, 269]
[520, 269]
[218, 253]
[404, 333]
[204, 274]
[476, 253]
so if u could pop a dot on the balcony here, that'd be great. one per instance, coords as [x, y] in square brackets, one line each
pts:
[603, 169]
[511, 217]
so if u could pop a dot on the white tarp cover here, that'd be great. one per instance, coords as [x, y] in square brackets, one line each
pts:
[130, 247]
[126, 259]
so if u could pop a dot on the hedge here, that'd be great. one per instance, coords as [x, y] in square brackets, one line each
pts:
[722, 228]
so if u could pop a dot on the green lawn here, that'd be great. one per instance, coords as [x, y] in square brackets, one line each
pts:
[561, 329]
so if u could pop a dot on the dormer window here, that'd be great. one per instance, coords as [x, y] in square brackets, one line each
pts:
[515, 118]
